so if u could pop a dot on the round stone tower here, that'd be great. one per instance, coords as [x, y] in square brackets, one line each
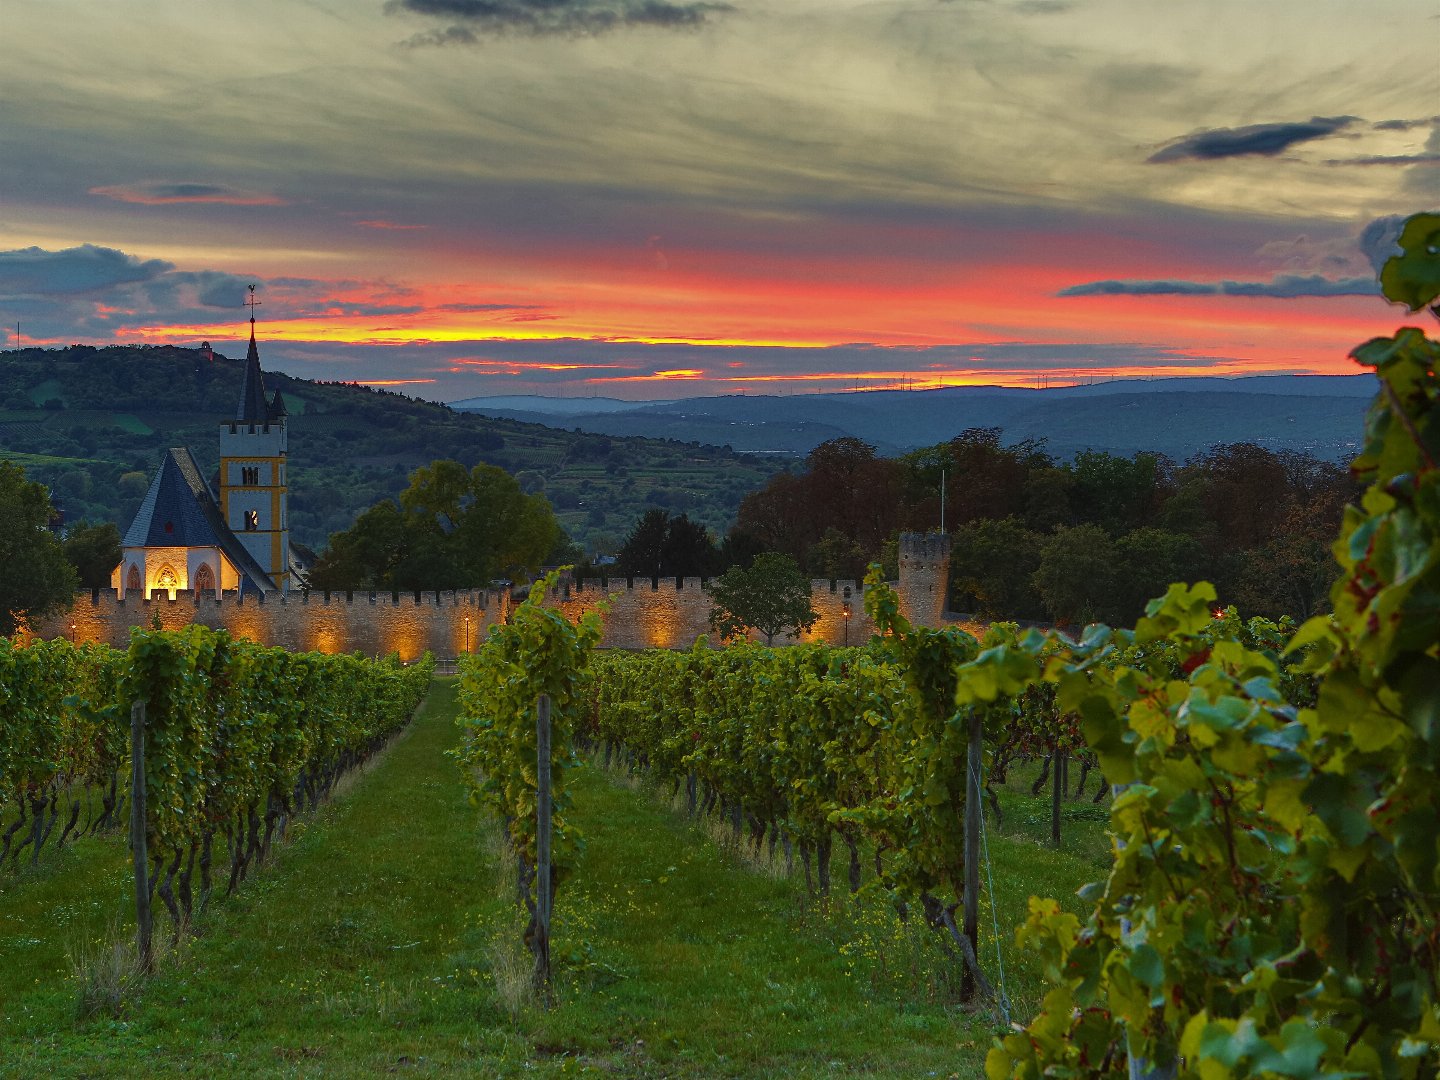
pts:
[924, 577]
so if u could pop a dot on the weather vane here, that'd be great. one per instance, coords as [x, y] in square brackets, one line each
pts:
[252, 303]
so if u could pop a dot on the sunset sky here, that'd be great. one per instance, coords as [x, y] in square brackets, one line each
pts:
[662, 198]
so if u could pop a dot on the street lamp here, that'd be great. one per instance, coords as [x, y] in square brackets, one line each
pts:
[847, 622]
[72, 633]
[467, 633]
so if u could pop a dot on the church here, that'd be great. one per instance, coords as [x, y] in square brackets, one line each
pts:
[188, 536]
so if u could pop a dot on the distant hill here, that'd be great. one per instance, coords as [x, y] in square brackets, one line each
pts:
[1318, 414]
[92, 423]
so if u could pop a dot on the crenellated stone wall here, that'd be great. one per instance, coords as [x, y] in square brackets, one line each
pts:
[374, 624]
[638, 613]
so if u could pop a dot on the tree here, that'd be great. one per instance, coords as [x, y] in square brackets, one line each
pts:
[1076, 574]
[664, 546]
[454, 529]
[1119, 494]
[845, 488]
[94, 552]
[1148, 560]
[771, 596]
[992, 567]
[37, 580]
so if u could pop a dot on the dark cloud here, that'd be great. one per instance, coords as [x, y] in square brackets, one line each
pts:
[1405, 125]
[470, 20]
[1388, 159]
[1264, 139]
[1043, 7]
[84, 269]
[216, 289]
[1285, 286]
[158, 193]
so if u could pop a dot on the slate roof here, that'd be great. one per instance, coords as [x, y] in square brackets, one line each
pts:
[254, 406]
[179, 510]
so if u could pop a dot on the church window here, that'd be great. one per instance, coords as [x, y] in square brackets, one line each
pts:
[134, 581]
[166, 580]
[250, 474]
[204, 579]
[252, 520]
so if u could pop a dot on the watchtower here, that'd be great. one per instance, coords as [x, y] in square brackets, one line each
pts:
[924, 577]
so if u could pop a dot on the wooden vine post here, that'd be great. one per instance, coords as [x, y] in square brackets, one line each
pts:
[1058, 784]
[137, 837]
[542, 844]
[974, 762]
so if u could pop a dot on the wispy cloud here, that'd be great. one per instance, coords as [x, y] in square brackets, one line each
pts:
[164, 193]
[1388, 159]
[471, 20]
[1285, 286]
[389, 225]
[1262, 139]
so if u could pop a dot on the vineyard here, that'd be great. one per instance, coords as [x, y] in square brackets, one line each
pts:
[237, 739]
[651, 886]
[1273, 908]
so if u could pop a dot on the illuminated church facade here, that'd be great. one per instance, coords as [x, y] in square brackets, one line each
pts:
[187, 536]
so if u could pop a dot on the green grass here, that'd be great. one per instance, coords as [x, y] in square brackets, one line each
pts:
[383, 938]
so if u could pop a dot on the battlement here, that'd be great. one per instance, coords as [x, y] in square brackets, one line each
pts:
[925, 549]
[636, 612]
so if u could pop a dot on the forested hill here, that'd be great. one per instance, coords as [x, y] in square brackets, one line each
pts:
[92, 423]
[1318, 415]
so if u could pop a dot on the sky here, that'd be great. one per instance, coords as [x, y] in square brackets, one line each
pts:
[668, 198]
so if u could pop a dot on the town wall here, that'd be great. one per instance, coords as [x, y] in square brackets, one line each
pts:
[636, 614]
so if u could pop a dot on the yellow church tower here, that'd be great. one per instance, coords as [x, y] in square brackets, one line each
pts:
[254, 492]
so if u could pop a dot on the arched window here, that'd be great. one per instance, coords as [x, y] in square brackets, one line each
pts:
[134, 582]
[166, 580]
[204, 579]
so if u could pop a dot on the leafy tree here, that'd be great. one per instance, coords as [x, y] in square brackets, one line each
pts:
[454, 528]
[1076, 575]
[1118, 494]
[771, 596]
[992, 567]
[1146, 562]
[661, 545]
[982, 478]
[837, 556]
[37, 580]
[94, 552]
[845, 488]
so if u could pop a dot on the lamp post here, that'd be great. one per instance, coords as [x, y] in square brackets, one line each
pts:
[467, 634]
[847, 622]
[72, 633]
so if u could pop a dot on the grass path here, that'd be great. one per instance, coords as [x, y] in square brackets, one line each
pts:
[371, 946]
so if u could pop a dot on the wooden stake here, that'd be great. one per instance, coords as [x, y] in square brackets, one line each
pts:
[1057, 792]
[137, 836]
[542, 844]
[971, 929]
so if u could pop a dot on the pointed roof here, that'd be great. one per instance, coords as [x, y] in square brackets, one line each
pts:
[179, 510]
[254, 405]
[277, 407]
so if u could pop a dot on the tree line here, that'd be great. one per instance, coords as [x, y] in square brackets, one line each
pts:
[1091, 538]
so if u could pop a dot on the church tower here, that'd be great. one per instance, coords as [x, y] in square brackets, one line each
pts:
[254, 493]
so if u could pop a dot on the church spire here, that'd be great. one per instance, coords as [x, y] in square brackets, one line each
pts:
[254, 403]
